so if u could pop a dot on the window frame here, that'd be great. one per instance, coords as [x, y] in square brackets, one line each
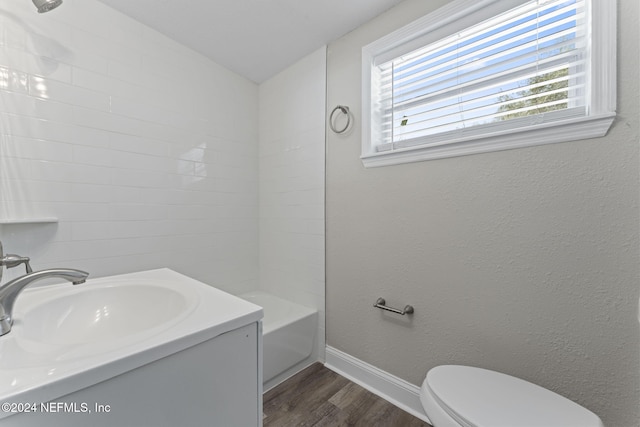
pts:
[461, 14]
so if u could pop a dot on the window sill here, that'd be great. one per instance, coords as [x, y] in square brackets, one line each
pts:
[547, 133]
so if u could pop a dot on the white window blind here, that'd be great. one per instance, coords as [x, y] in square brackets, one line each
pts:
[477, 76]
[525, 65]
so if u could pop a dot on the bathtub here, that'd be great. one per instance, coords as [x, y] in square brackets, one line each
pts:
[289, 331]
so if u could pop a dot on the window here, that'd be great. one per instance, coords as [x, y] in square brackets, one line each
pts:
[479, 76]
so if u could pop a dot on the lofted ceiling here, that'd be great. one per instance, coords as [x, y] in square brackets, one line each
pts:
[254, 38]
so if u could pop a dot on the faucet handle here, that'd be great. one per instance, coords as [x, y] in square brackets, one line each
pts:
[13, 260]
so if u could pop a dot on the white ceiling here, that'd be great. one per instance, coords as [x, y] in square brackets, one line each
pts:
[255, 38]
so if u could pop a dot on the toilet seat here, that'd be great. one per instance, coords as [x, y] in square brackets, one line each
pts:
[474, 397]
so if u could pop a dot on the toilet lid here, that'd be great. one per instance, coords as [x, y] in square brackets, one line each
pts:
[476, 397]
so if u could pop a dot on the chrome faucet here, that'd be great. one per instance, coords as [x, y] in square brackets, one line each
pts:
[10, 291]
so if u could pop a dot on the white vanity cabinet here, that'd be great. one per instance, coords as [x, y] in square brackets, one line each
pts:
[214, 383]
[204, 371]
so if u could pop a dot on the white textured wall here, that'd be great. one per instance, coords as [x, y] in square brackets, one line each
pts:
[292, 156]
[145, 151]
[523, 261]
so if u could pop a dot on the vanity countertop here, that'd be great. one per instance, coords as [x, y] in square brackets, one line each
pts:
[67, 337]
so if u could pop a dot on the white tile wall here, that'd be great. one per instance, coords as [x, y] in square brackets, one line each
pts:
[148, 155]
[292, 156]
[145, 151]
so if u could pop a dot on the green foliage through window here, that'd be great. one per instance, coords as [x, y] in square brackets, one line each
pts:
[545, 89]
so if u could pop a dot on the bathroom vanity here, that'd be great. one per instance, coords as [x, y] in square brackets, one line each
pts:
[154, 348]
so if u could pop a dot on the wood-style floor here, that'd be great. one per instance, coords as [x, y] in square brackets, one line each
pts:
[318, 396]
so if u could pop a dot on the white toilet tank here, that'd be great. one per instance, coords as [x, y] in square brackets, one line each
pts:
[463, 396]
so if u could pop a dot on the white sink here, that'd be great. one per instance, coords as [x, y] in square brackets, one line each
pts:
[97, 314]
[67, 337]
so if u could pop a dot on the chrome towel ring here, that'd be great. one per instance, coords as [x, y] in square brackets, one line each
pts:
[345, 110]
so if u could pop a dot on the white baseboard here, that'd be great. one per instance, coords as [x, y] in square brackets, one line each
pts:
[397, 391]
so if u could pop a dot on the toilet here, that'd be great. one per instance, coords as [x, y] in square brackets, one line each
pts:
[464, 396]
